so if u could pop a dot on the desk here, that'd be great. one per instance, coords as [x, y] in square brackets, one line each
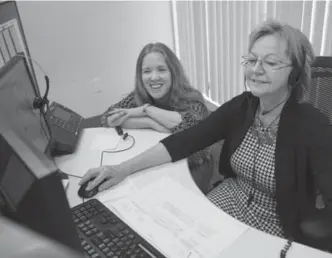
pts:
[253, 243]
[84, 158]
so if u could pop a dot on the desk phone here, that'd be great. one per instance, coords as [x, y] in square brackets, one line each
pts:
[66, 126]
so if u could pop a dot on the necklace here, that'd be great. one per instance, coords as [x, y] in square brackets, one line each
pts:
[266, 136]
[265, 112]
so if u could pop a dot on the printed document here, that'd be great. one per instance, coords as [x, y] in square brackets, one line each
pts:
[179, 222]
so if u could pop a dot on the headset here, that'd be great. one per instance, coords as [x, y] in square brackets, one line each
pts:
[298, 71]
[41, 102]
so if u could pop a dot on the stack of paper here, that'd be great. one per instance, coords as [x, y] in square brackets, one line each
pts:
[180, 223]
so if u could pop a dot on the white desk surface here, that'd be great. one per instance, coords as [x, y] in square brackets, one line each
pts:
[253, 243]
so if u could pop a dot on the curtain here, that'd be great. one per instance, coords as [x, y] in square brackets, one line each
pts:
[211, 37]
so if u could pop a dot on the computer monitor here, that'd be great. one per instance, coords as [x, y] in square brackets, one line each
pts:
[17, 93]
[31, 191]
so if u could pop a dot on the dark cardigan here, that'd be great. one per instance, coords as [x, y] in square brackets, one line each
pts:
[303, 155]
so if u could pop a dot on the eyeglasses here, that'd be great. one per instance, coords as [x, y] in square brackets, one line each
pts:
[267, 65]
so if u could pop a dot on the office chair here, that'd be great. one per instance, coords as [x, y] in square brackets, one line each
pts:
[320, 92]
[317, 228]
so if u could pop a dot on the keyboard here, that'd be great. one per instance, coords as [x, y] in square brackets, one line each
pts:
[104, 234]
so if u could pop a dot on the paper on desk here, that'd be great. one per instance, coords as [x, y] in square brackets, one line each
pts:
[180, 223]
[125, 189]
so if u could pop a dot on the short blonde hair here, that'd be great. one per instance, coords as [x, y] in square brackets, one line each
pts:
[298, 49]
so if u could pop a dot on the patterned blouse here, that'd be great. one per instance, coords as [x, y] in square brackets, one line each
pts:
[232, 194]
[196, 111]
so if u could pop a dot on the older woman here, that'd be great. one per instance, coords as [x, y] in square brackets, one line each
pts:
[277, 148]
[163, 100]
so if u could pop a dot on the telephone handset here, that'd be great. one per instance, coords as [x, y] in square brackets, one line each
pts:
[65, 126]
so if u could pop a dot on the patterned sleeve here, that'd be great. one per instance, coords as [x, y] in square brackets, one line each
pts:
[196, 111]
[126, 103]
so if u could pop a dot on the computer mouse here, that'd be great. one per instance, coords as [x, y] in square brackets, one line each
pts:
[83, 193]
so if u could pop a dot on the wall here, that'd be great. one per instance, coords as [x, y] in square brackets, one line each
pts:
[89, 49]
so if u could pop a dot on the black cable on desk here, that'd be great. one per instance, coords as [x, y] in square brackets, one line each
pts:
[116, 151]
[70, 174]
[123, 136]
[287, 246]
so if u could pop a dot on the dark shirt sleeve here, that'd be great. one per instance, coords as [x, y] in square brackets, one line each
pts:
[126, 103]
[206, 132]
[320, 155]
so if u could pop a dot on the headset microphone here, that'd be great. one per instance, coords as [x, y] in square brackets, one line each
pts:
[39, 103]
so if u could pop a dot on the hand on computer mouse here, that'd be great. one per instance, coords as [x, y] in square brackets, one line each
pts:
[111, 173]
[84, 193]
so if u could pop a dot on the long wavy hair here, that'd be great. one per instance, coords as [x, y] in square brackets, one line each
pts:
[298, 49]
[181, 90]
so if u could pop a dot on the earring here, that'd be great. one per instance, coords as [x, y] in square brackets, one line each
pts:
[291, 88]
[246, 85]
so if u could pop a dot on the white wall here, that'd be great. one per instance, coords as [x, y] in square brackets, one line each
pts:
[89, 49]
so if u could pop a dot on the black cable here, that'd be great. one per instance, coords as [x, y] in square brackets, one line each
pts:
[287, 246]
[71, 174]
[47, 125]
[42, 126]
[47, 80]
[116, 151]
[124, 137]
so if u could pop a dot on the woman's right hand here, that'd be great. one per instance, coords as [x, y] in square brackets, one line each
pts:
[111, 173]
[116, 117]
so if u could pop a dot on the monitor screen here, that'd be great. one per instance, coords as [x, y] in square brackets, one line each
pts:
[20, 166]
[31, 192]
[17, 93]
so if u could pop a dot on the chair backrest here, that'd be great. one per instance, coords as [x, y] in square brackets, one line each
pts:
[320, 91]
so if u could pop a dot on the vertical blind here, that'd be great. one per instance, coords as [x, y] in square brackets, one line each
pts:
[211, 37]
[11, 41]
